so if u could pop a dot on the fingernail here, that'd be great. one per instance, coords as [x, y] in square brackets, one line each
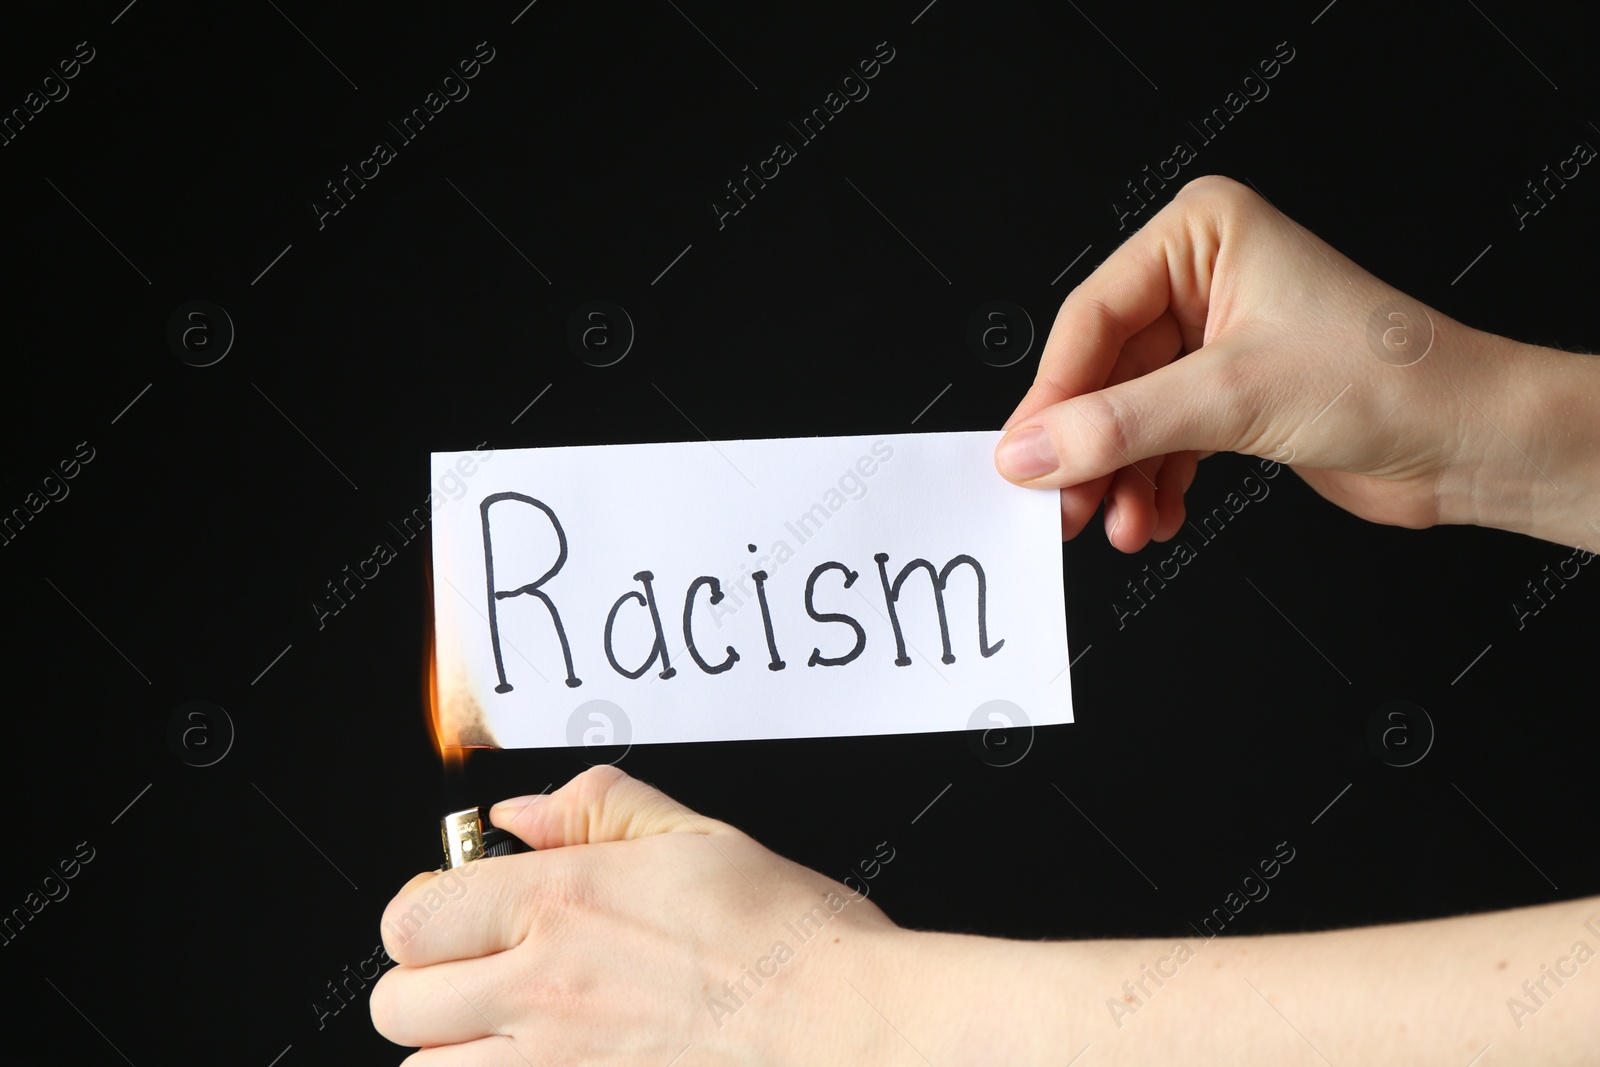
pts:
[1113, 520]
[1026, 453]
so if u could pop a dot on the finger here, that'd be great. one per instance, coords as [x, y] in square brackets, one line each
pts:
[1165, 266]
[462, 913]
[1130, 506]
[1153, 347]
[1079, 503]
[1199, 402]
[485, 1052]
[441, 1004]
[601, 804]
[1177, 474]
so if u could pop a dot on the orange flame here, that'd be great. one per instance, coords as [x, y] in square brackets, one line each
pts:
[454, 714]
[452, 756]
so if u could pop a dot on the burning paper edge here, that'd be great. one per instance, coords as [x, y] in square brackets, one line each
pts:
[462, 723]
[459, 721]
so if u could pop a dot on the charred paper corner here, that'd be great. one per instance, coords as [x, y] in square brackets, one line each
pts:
[462, 723]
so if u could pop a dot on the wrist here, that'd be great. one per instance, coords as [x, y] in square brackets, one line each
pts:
[1535, 465]
[962, 999]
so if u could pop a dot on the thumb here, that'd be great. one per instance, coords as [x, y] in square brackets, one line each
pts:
[1180, 407]
[601, 804]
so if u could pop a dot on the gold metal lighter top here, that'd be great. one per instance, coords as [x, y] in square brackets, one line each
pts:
[462, 832]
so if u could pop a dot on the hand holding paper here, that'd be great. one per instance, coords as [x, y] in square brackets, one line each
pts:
[1291, 352]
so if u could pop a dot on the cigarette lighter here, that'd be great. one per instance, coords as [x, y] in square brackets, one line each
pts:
[466, 840]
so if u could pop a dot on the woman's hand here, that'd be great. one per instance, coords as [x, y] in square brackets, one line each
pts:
[1291, 352]
[640, 929]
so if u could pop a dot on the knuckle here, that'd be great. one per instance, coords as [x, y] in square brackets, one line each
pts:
[565, 891]
[1221, 202]
[404, 919]
[593, 784]
[1218, 188]
[1104, 429]
[1098, 325]
[592, 791]
[563, 912]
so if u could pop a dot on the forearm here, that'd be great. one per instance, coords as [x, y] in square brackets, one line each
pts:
[1524, 981]
[1538, 465]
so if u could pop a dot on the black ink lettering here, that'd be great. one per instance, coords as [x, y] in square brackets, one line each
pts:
[939, 579]
[532, 588]
[777, 664]
[657, 650]
[817, 657]
[766, 619]
[688, 632]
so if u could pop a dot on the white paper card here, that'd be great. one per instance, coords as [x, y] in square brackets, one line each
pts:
[752, 589]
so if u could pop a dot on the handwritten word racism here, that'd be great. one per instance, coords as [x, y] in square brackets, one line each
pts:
[838, 575]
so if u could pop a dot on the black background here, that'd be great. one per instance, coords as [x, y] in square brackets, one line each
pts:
[189, 551]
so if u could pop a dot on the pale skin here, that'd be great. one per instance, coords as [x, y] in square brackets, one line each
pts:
[615, 943]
